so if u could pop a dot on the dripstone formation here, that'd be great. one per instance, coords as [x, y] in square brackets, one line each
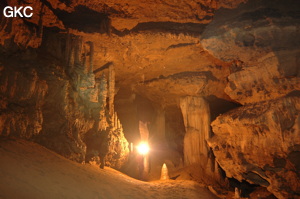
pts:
[216, 82]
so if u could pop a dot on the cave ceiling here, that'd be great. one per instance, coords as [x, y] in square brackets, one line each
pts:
[166, 49]
[153, 45]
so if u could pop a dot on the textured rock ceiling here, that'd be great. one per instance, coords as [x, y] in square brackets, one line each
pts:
[129, 13]
[154, 45]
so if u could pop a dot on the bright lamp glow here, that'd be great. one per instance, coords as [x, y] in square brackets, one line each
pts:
[143, 148]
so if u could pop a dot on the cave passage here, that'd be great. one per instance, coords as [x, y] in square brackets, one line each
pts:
[150, 99]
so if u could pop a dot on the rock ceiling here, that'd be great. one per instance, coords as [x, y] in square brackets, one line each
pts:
[154, 45]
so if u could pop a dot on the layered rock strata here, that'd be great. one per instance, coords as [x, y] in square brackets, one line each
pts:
[260, 143]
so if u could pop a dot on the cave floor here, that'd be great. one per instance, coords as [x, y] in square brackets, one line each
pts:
[28, 170]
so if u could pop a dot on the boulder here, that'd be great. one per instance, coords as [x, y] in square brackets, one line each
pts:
[260, 143]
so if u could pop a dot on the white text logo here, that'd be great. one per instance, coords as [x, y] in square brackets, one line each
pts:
[9, 11]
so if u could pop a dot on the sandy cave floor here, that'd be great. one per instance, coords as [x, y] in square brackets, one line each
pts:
[28, 170]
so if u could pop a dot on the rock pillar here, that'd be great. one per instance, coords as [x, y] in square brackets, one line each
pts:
[196, 116]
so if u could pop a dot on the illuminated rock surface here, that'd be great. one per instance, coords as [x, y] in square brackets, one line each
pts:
[39, 173]
[79, 76]
[260, 143]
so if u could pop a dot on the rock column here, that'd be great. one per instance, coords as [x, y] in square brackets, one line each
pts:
[196, 115]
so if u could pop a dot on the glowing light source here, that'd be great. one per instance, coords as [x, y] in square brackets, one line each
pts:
[143, 148]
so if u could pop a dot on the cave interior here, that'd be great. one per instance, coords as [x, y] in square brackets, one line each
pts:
[213, 86]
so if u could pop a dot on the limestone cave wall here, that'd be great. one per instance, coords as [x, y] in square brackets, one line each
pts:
[217, 82]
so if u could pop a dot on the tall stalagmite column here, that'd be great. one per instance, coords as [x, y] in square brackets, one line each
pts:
[196, 115]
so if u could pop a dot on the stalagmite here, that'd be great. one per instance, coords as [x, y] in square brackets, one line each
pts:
[102, 91]
[77, 50]
[196, 115]
[164, 172]
[84, 55]
[237, 193]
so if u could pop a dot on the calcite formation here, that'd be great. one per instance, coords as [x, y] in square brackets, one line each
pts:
[196, 115]
[57, 105]
[17, 88]
[78, 76]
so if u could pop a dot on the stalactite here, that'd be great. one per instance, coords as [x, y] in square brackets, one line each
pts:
[97, 86]
[91, 68]
[102, 91]
[217, 173]
[115, 120]
[77, 50]
[119, 124]
[84, 55]
[59, 52]
[72, 56]
[111, 89]
[67, 50]
[102, 100]
[40, 23]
